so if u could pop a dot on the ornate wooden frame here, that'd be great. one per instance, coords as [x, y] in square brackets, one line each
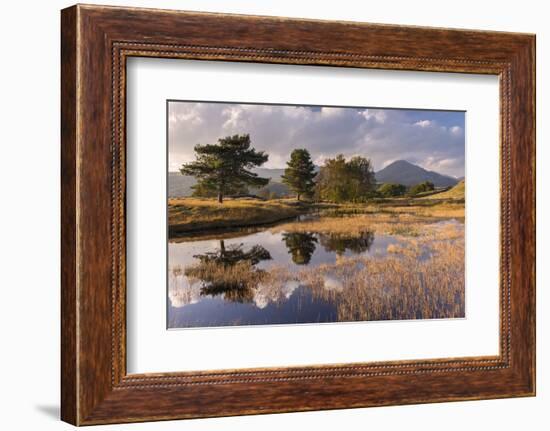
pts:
[95, 43]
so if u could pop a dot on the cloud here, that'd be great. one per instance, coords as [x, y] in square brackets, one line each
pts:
[432, 139]
[379, 115]
[457, 130]
[423, 123]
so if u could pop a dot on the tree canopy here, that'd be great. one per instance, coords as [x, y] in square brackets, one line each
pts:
[423, 187]
[340, 180]
[224, 168]
[300, 245]
[389, 190]
[300, 173]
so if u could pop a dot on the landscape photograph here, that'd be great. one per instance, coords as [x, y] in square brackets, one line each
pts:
[298, 214]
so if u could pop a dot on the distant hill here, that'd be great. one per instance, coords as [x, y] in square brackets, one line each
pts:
[457, 192]
[280, 189]
[179, 185]
[403, 172]
[274, 174]
[400, 172]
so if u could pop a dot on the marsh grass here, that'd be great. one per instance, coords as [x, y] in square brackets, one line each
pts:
[420, 277]
[355, 226]
[397, 286]
[194, 214]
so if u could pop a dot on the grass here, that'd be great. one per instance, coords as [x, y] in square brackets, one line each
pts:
[396, 286]
[396, 216]
[398, 221]
[458, 192]
[437, 210]
[194, 214]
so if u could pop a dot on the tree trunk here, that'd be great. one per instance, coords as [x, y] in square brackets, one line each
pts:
[298, 196]
[220, 198]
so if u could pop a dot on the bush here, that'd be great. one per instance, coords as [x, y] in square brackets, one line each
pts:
[389, 190]
[426, 186]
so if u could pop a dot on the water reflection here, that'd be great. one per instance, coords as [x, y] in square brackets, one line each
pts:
[301, 246]
[340, 244]
[229, 271]
[279, 277]
[234, 254]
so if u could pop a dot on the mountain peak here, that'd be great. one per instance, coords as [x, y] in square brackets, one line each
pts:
[409, 174]
[401, 163]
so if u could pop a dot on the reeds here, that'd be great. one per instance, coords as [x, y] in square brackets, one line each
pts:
[420, 277]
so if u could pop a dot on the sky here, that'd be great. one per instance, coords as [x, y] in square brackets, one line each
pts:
[433, 140]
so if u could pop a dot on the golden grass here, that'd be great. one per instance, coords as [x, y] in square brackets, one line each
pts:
[457, 192]
[193, 214]
[397, 286]
[354, 226]
[240, 275]
[433, 210]
[399, 223]
[187, 215]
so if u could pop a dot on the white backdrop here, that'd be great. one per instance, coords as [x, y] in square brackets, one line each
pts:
[151, 348]
[29, 228]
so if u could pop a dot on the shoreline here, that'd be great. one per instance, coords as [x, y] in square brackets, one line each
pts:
[190, 217]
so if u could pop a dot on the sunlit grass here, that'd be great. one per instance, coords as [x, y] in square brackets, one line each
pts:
[192, 214]
[187, 215]
[396, 286]
[457, 192]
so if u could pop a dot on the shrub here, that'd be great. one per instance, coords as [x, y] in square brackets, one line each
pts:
[389, 190]
[426, 186]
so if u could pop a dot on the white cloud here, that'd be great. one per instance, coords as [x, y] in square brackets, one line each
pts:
[382, 135]
[457, 130]
[423, 123]
[329, 111]
[377, 115]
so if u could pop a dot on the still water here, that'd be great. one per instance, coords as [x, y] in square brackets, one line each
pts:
[199, 299]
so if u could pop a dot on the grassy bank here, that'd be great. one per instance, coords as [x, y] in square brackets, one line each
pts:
[457, 192]
[414, 222]
[194, 214]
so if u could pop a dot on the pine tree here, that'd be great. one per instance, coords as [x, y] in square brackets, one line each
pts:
[301, 246]
[223, 168]
[300, 173]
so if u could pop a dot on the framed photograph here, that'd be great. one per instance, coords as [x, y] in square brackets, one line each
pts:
[265, 215]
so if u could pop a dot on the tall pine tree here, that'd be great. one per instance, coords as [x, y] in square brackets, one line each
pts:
[223, 168]
[300, 173]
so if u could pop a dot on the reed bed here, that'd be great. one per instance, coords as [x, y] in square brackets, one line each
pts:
[398, 224]
[420, 277]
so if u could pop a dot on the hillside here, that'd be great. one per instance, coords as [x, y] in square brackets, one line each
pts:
[179, 185]
[403, 172]
[400, 172]
[457, 192]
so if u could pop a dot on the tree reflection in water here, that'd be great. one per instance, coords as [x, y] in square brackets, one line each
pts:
[340, 244]
[301, 246]
[229, 271]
